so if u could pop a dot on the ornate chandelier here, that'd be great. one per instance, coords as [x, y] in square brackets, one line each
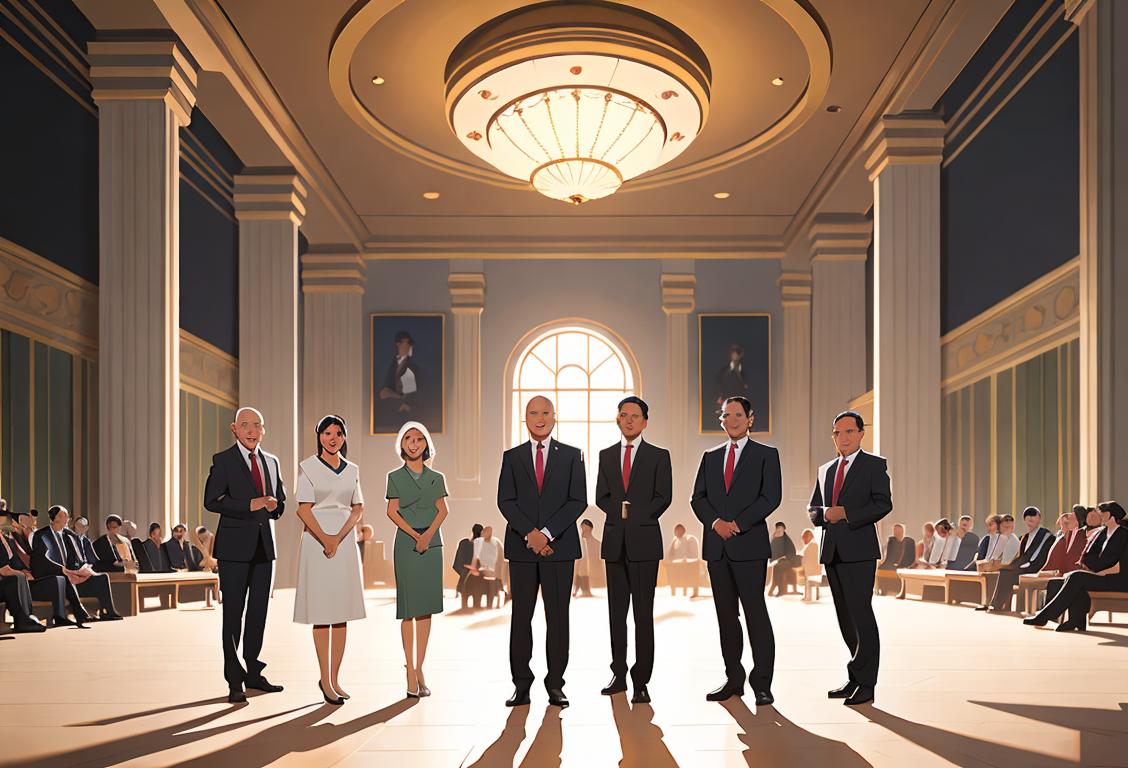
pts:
[577, 97]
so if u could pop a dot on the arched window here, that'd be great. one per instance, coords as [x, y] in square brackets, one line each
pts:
[585, 374]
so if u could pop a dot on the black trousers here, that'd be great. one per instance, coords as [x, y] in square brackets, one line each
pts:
[739, 583]
[1004, 587]
[554, 581]
[54, 589]
[1072, 594]
[17, 596]
[98, 586]
[851, 584]
[244, 585]
[629, 582]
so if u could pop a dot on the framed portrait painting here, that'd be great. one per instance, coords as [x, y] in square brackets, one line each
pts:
[408, 371]
[734, 359]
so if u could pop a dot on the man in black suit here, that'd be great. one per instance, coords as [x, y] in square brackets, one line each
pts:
[738, 485]
[900, 551]
[852, 493]
[633, 488]
[93, 583]
[113, 552]
[541, 492]
[182, 556]
[49, 559]
[54, 589]
[14, 587]
[245, 489]
[1033, 550]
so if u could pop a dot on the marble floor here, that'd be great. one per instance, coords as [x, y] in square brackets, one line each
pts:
[957, 688]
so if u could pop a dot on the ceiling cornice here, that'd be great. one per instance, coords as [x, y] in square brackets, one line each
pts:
[380, 249]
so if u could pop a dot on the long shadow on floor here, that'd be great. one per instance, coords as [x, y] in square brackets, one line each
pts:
[1103, 732]
[639, 738]
[772, 739]
[492, 622]
[502, 753]
[1115, 639]
[158, 711]
[547, 745]
[961, 749]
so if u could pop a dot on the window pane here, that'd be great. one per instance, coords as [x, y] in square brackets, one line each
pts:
[546, 351]
[533, 375]
[609, 376]
[572, 406]
[573, 349]
[574, 434]
[604, 405]
[603, 434]
[599, 351]
[572, 377]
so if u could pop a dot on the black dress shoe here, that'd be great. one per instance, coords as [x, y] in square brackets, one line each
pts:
[29, 626]
[641, 695]
[726, 692]
[112, 617]
[861, 695]
[264, 685]
[617, 685]
[1070, 626]
[520, 698]
[764, 698]
[235, 696]
[843, 692]
[1034, 621]
[557, 698]
[982, 607]
[63, 621]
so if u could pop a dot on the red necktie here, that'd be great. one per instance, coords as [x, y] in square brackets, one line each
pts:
[838, 479]
[540, 467]
[257, 476]
[730, 465]
[627, 467]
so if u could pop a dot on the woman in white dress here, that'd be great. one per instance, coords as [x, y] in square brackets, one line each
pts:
[329, 590]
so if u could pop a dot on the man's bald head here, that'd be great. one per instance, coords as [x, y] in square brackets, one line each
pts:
[248, 427]
[540, 417]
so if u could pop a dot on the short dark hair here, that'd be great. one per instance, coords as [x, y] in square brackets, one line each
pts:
[637, 401]
[403, 336]
[476, 530]
[1006, 519]
[1079, 510]
[1114, 510]
[858, 420]
[154, 527]
[113, 519]
[54, 511]
[745, 403]
[781, 525]
[588, 523]
[1031, 512]
[324, 424]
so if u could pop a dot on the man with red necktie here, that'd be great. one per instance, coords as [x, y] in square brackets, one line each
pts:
[738, 485]
[245, 489]
[633, 488]
[851, 495]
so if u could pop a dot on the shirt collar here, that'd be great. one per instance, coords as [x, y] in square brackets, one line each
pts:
[851, 456]
[623, 442]
[247, 454]
[547, 442]
[739, 443]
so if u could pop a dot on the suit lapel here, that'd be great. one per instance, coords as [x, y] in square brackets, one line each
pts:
[828, 483]
[851, 472]
[641, 453]
[525, 459]
[741, 461]
[237, 457]
[550, 460]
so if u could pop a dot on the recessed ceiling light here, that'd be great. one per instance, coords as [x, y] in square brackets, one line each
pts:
[377, 80]
[834, 108]
[777, 81]
[430, 195]
[721, 195]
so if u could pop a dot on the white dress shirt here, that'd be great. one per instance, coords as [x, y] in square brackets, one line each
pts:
[264, 465]
[407, 380]
[623, 443]
[547, 443]
[1011, 546]
[736, 460]
[485, 552]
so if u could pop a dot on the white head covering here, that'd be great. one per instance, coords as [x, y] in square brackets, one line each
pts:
[426, 436]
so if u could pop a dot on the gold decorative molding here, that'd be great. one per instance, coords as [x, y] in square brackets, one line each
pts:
[795, 289]
[270, 194]
[44, 301]
[208, 371]
[333, 273]
[678, 294]
[1041, 316]
[141, 69]
[467, 292]
[910, 138]
[840, 237]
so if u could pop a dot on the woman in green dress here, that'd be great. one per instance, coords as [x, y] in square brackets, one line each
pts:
[417, 505]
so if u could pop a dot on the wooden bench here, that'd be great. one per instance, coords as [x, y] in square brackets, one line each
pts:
[1112, 602]
[133, 583]
[887, 582]
[1030, 585]
[915, 581]
[985, 582]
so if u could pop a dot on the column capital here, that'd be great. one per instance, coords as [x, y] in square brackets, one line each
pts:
[840, 237]
[467, 292]
[128, 67]
[795, 288]
[678, 294]
[333, 273]
[1075, 10]
[270, 194]
[910, 138]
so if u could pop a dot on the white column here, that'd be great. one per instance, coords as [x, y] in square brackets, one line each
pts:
[467, 300]
[904, 156]
[838, 319]
[269, 206]
[145, 90]
[678, 301]
[333, 354]
[795, 290]
[1104, 249]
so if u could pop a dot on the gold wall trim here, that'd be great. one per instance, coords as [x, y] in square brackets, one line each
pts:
[207, 371]
[1038, 318]
[43, 301]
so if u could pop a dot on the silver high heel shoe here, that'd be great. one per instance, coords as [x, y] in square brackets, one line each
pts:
[423, 689]
[412, 694]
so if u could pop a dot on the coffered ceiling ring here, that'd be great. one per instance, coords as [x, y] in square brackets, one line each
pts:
[367, 15]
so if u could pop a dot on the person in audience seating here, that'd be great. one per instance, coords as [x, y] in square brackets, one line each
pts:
[204, 542]
[945, 547]
[1092, 522]
[812, 568]
[463, 556]
[990, 539]
[49, 558]
[1095, 535]
[1032, 552]
[113, 552]
[588, 562]
[152, 555]
[1009, 544]
[80, 526]
[968, 545]
[1065, 554]
[14, 586]
[900, 551]
[487, 562]
[1080, 512]
[924, 546]
[783, 561]
[1107, 572]
[96, 584]
[683, 561]
[180, 553]
[53, 589]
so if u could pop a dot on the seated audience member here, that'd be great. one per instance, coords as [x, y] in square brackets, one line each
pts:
[812, 568]
[783, 561]
[205, 540]
[53, 589]
[924, 546]
[590, 559]
[1092, 522]
[462, 559]
[1009, 544]
[1032, 552]
[944, 547]
[1080, 512]
[968, 545]
[14, 585]
[179, 552]
[990, 539]
[1106, 572]
[683, 561]
[1095, 536]
[900, 551]
[486, 564]
[80, 526]
[49, 561]
[113, 552]
[97, 584]
[1065, 554]
[152, 555]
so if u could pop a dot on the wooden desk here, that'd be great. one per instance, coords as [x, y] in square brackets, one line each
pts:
[138, 581]
[914, 581]
[1113, 602]
[887, 581]
[1029, 585]
[985, 582]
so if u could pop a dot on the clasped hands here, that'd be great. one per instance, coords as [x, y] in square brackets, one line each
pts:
[538, 542]
[834, 514]
[726, 529]
[269, 503]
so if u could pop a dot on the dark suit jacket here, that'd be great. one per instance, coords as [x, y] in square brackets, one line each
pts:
[107, 557]
[866, 497]
[895, 553]
[76, 556]
[14, 562]
[46, 557]
[1092, 553]
[21, 545]
[1032, 553]
[965, 555]
[557, 507]
[180, 554]
[650, 491]
[154, 559]
[228, 492]
[757, 489]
